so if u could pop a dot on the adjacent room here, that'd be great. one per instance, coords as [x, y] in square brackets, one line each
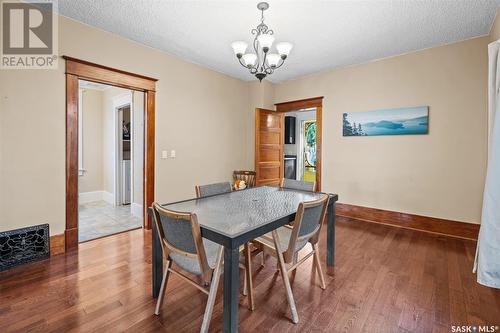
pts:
[110, 160]
[246, 166]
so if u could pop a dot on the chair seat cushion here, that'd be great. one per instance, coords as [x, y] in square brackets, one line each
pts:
[284, 235]
[190, 264]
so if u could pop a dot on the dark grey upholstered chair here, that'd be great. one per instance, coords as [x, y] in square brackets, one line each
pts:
[220, 188]
[182, 244]
[285, 242]
[212, 189]
[298, 185]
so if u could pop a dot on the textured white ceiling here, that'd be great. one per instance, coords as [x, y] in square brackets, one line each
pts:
[325, 34]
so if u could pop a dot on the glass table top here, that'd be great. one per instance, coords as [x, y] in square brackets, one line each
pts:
[238, 212]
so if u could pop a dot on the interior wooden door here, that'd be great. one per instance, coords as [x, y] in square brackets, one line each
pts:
[269, 133]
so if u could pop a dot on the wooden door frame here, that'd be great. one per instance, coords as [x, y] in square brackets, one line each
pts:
[309, 103]
[77, 69]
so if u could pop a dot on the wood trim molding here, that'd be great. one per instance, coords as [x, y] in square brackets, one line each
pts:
[149, 156]
[410, 221]
[108, 75]
[80, 69]
[319, 142]
[314, 102]
[307, 103]
[57, 244]
[71, 160]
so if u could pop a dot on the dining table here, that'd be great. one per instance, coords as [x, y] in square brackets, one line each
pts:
[234, 218]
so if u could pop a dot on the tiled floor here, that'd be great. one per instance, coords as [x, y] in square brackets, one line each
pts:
[97, 219]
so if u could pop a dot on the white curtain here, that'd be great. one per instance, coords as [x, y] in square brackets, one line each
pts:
[487, 262]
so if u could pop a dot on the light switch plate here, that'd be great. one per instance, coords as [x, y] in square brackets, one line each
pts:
[164, 154]
[172, 153]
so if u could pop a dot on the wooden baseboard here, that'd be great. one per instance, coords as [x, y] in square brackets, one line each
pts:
[409, 221]
[57, 244]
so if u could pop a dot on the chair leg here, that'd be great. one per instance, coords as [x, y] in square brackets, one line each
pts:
[245, 284]
[263, 263]
[248, 277]
[214, 284]
[318, 266]
[163, 287]
[284, 276]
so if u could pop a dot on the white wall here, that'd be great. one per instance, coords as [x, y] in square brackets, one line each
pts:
[108, 136]
[92, 116]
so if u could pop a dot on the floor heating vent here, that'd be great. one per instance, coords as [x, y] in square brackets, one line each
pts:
[24, 245]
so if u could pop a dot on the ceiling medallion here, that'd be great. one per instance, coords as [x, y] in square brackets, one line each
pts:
[262, 63]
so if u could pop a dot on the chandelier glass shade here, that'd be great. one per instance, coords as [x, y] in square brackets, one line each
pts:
[260, 61]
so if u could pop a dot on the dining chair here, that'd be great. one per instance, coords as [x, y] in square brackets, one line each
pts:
[285, 243]
[182, 244]
[212, 189]
[220, 188]
[298, 185]
[247, 176]
[293, 185]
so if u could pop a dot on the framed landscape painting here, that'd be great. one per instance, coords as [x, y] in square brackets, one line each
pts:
[414, 120]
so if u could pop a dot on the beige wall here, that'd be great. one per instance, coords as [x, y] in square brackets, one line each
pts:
[92, 115]
[495, 28]
[199, 114]
[208, 118]
[440, 174]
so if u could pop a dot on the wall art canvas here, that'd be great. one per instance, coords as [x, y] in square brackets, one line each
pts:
[413, 120]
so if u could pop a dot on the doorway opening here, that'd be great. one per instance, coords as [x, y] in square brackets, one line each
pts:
[110, 160]
[288, 142]
[300, 146]
[77, 70]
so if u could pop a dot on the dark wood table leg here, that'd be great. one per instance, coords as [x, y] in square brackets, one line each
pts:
[231, 287]
[156, 261]
[330, 235]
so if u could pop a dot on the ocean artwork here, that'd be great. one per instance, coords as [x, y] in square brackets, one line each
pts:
[414, 120]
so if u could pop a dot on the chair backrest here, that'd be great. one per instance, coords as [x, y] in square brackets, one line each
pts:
[180, 233]
[247, 176]
[298, 185]
[212, 189]
[307, 225]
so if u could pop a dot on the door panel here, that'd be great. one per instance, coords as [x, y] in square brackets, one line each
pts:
[269, 154]
[270, 172]
[270, 138]
[269, 132]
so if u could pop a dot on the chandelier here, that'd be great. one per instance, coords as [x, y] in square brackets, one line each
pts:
[262, 63]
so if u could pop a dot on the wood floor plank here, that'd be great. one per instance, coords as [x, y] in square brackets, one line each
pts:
[385, 279]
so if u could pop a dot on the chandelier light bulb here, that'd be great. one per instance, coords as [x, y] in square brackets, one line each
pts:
[249, 59]
[284, 48]
[239, 47]
[265, 41]
[273, 59]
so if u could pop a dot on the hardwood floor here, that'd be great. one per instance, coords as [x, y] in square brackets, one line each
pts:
[386, 279]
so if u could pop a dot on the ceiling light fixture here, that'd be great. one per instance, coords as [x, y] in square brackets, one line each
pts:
[262, 63]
